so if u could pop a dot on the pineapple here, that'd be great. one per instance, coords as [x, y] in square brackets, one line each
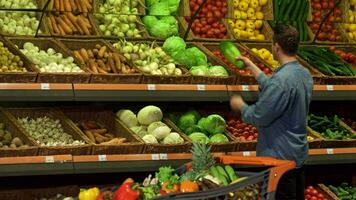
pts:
[202, 158]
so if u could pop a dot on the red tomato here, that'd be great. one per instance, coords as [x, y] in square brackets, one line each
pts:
[320, 195]
[317, 6]
[313, 198]
[307, 196]
[314, 192]
[324, 5]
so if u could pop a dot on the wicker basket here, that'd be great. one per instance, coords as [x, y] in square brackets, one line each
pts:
[344, 38]
[184, 25]
[72, 45]
[18, 77]
[211, 79]
[267, 10]
[328, 143]
[328, 194]
[316, 142]
[163, 148]
[15, 113]
[230, 146]
[107, 119]
[44, 43]
[266, 30]
[16, 132]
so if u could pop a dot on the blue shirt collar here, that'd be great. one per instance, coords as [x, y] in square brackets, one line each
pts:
[282, 66]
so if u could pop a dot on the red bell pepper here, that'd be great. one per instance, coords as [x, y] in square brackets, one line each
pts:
[107, 195]
[127, 191]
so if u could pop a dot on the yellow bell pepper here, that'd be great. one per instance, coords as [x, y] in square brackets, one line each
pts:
[89, 194]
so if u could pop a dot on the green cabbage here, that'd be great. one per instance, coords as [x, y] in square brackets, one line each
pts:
[173, 117]
[199, 70]
[159, 9]
[150, 139]
[199, 137]
[163, 30]
[149, 3]
[217, 71]
[127, 117]
[200, 57]
[149, 114]
[214, 124]
[195, 113]
[149, 21]
[218, 138]
[201, 122]
[169, 20]
[187, 120]
[158, 129]
[173, 45]
[194, 128]
[173, 138]
[139, 130]
[190, 57]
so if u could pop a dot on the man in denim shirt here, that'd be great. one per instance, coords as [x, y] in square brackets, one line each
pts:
[280, 114]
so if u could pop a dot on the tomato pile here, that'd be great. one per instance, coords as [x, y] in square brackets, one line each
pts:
[243, 72]
[241, 130]
[208, 23]
[312, 194]
[328, 31]
[348, 57]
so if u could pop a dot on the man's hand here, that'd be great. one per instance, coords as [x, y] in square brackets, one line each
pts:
[250, 65]
[236, 103]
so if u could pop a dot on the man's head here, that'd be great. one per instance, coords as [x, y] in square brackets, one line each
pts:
[285, 40]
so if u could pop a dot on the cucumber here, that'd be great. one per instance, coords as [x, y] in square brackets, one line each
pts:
[214, 172]
[222, 172]
[302, 10]
[296, 11]
[305, 31]
[276, 10]
[300, 30]
[287, 14]
[305, 11]
[231, 172]
[223, 179]
[284, 7]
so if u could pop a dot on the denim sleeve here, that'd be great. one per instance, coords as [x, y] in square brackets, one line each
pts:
[262, 80]
[271, 105]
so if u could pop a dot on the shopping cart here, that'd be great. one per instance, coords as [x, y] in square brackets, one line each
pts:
[259, 185]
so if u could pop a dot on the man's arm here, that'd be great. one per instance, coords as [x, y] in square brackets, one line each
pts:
[256, 72]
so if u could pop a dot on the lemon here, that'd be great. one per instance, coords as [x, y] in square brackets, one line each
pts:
[247, 1]
[231, 23]
[240, 24]
[236, 3]
[258, 24]
[259, 8]
[353, 2]
[351, 18]
[254, 3]
[351, 36]
[352, 27]
[257, 32]
[263, 2]
[250, 32]
[254, 50]
[252, 38]
[243, 15]
[250, 24]
[259, 15]
[250, 13]
[260, 37]
[237, 14]
[237, 32]
[243, 34]
[243, 6]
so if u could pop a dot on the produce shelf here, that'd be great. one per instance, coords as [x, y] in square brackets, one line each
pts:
[150, 92]
[67, 164]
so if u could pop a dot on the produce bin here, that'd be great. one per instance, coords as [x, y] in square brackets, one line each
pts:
[107, 119]
[261, 184]
[266, 30]
[32, 148]
[18, 77]
[47, 77]
[320, 78]
[111, 78]
[327, 192]
[163, 148]
[15, 113]
[213, 80]
[267, 10]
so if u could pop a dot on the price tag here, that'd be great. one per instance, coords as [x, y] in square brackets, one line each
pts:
[155, 156]
[49, 159]
[246, 153]
[102, 158]
[245, 88]
[330, 151]
[151, 86]
[45, 86]
[163, 156]
[201, 87]
[330, 87]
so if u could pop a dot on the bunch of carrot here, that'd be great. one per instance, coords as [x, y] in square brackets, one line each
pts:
[101, 60]
[69, 17]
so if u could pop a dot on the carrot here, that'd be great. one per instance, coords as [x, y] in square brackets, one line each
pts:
[99, 140]
[84, 54]
[61, 31]
[93, 66]
[67, 6]
[90, 53]
[109, 135]
[82, 26]
[102, 65]
[73, 19]
[64, 26]
[102, 51]
[95, 52]
[78, 56]
[67, 21]
[117, 61]
[102, 71]
[50, 5]
[114, 141]
[73, 5]
[97, 135]
[90, 135]
[83, 6]
[61, 5]
[88, 5]
[77, 2]
[86, 21]
[56, 5]
[112, 64]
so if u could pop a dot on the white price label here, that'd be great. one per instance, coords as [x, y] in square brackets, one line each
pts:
[49, 159]
[45, 86]
[246, 153]
[329, 87]
[102, 158]
[201, 87]
[330, 151]
[151, 86]
[155, 156]
[163, 156]
[245, 88]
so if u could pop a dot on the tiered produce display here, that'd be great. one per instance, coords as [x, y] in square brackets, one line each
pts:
[156, 42]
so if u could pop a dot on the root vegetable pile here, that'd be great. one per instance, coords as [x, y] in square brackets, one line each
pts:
[50, 60]
[70, 17]
[7, 140]
[101, 60]
[99, 135]
[209, 22]
[48, 132]
[9, 62]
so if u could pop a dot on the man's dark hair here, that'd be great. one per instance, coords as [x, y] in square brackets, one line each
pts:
[287, 37]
